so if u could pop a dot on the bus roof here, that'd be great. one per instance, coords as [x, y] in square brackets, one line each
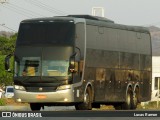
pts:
[91, 20]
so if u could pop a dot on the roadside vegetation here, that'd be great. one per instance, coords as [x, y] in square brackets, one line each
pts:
[11, 102]
[151, 105]
[7, 46]
[2, 101]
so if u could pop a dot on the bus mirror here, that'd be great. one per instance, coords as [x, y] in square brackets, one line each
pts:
[7, 63]
[72, 65]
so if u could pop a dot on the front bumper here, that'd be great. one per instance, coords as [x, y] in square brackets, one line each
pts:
[60, 96]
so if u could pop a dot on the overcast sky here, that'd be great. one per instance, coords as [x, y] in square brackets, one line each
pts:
[129, 12]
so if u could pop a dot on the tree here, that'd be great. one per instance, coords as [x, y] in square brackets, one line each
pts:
[5, 77]
[7, 44]
[3, 41]
[7, 47]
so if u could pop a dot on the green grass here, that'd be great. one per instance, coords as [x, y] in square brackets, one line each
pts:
[2, 102]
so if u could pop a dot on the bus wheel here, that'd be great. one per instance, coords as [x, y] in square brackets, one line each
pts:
[135, 99]
[87, 104]
[35, 106]
[127, 105]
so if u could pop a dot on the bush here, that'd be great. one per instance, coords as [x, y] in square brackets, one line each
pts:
[2, 102]
[7, 46]
[6, 78]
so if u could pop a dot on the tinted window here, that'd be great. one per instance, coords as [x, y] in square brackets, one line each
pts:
[9, 89]
[46, 33]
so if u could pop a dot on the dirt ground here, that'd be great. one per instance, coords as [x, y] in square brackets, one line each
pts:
[11, 101]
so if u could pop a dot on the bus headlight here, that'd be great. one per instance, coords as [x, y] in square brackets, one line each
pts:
[64, 87]
[17, 87]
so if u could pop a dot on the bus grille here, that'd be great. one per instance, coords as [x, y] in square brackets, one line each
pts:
[41, 89]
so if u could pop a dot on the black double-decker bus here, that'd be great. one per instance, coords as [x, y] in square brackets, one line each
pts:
[81, 60]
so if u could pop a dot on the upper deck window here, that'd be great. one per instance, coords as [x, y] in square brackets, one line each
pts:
[46, 33]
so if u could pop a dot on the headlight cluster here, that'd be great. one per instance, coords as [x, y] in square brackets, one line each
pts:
[17, 87]
[64, 87]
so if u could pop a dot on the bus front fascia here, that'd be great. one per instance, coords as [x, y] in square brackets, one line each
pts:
[63, 94]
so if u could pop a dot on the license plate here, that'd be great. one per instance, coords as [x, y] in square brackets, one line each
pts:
[41, 96]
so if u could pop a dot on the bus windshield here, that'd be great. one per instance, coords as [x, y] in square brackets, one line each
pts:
[46, 33]
[28, 66]
[32, 67]
[55, 68]
[42, 61]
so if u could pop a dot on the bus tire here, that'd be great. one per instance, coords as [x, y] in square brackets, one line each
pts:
[35, 106]
[127, 105]
[135, 99]
[87, 104]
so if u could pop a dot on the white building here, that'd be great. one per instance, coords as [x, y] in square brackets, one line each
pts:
[155, 76]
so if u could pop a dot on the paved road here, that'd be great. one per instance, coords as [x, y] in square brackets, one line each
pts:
[55, 108]
[52, 108]
[27, 108]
